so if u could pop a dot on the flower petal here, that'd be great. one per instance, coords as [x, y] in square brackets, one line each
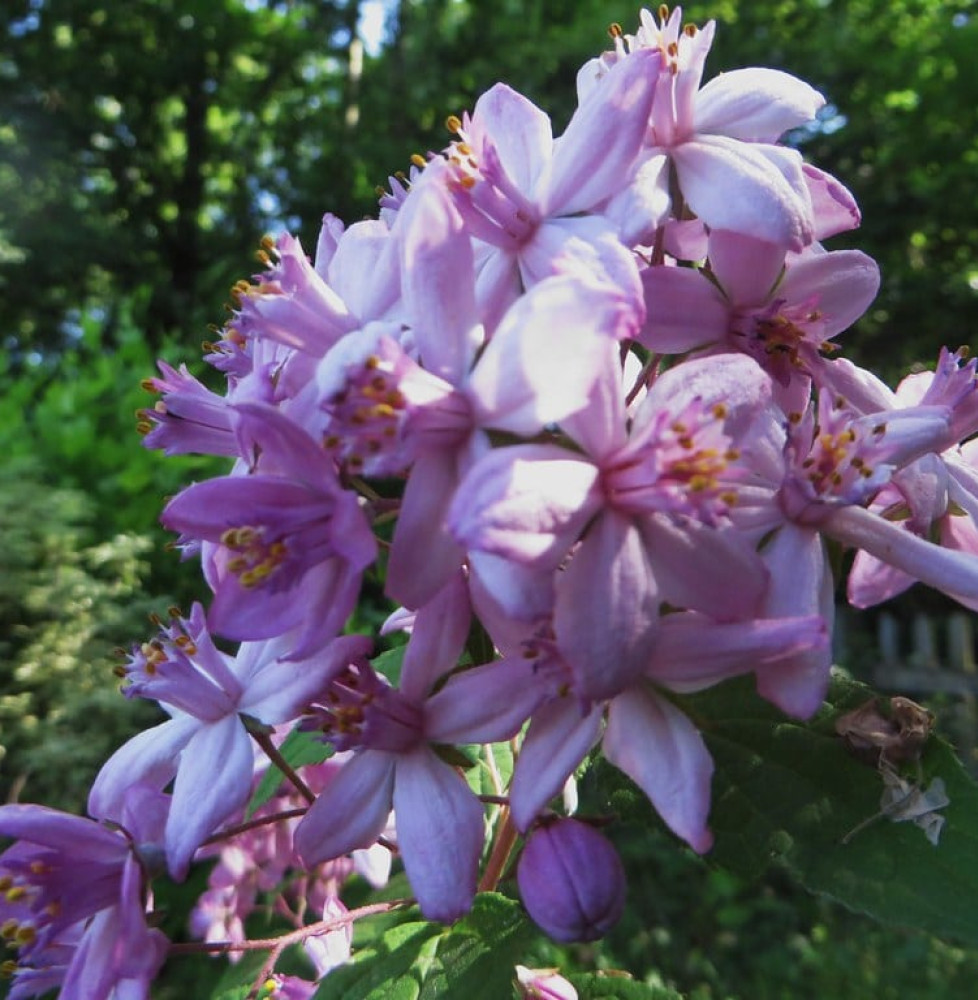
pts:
[663, 753]
[559, 738]
[484, 705]
[754, 189]
[213, 782]
[603, 138]
[755, 104]
[607, 609]
[424, 555]
[352, 811]
[151, 757]
[439, 830]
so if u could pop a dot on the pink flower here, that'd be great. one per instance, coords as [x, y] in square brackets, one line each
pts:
[784, 314]
[204, 748]
[533, 203]
[73, 900]
[391, 731]
[287, 544]
[719, 140]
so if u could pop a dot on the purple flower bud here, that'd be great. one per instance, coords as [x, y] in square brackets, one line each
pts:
[571, 880]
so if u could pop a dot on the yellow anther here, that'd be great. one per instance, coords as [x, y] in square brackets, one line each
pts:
[690, 30]
[419, 161]
[454, 124]
[663, 12]
[15, 893]
[614, 30]
[25, 935]
[720, 411]
[372, 362]
[9, 928]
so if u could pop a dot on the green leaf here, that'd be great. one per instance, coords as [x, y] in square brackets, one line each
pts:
[789, 793]
[393, 967]
[596, 985]
[389, 663]
[477, 956]
[474, 959]
[298, 748]
[238, 978]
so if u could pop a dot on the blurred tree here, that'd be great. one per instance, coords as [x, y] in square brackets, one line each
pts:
[148, 145]
[143, 145]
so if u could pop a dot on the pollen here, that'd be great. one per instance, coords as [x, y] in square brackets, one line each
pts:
[454, 124]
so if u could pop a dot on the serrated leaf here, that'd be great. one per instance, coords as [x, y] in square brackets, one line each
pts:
[298, 749]
[477, 956]
[393, 967]
[597, 985]
[789, 793]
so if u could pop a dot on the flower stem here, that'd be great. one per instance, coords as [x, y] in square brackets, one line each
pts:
[501, 851]
[233, 831]
[264, 740]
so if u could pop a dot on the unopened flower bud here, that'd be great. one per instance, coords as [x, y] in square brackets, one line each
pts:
[571, 880]
[543, 984]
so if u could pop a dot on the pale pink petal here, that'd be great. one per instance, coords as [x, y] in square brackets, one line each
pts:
[693, 652]
[801, 584]
[593, 156]
[365, 269]
[684, 310]
[754, 189]
[486, 704]
[424, 555]
[539, 366]
[713, 570]
[834, 207]
[283, 688]
[439, 283]
[663, 753]
[213, 782]
[755, 104]
[747, 268]
[437, 638]
[352, 811]
[559, 738]
[841, 285]
[607, 609]
[519, 130]
[150, 756]
[528, 503]
[601, 428]
[440, 834]
[872, 582]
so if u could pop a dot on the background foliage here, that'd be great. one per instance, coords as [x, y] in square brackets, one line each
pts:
[144, 149]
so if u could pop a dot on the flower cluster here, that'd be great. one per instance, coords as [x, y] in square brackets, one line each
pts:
[594, 382]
